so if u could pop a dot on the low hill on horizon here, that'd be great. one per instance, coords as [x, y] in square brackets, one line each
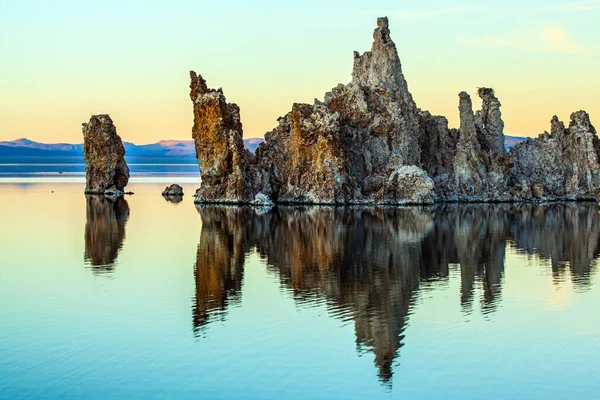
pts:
[24, 150]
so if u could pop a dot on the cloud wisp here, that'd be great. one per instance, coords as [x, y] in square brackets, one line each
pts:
[413, 14]
[549, 37]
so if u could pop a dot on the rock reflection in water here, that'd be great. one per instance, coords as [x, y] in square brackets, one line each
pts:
[173, 198]
[104, 230]
[565, 234]
[219, 265]
[368, 264]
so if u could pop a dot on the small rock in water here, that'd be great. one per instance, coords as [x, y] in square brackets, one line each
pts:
[173, 190]
[106, 171]
[262, 199]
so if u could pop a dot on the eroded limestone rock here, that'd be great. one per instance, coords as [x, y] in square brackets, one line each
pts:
[407, 185]
[438, 151]
[217, 134]
[489, 120]
[564, 162]
[378, 115]
[106, 171]
[368, 143]
[480, 173]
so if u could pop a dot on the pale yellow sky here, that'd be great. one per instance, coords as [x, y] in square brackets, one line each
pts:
[66, 61]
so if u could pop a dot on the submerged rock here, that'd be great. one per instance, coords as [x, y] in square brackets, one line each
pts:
[106, 171]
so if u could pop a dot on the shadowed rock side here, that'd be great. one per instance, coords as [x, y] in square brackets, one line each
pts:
[104, 230]
[368, 143]
[560, 164]
[106, 171]
[368, 264]
[480, 173]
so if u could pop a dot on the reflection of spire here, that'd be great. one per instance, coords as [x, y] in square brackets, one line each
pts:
[219, 265]
[365, 263]
[368, 264]
[480, 240]
[104, 230]
[568, 235]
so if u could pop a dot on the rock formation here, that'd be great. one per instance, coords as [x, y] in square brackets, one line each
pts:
[106, 171]
[562, 164]
[173, 190]
[489, 120]
[217, 134]
[368, 143]
[480, 173]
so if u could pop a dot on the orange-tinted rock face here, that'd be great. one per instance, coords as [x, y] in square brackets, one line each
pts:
[218, 136]
[103, 151]
[356, 145]
[318, 156]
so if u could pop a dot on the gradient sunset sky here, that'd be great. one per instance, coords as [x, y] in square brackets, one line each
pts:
[61, 61]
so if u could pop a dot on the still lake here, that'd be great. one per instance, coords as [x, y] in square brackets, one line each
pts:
[145, 298]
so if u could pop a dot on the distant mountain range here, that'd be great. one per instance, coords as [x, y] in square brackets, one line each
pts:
[169, 151]
[166, 151]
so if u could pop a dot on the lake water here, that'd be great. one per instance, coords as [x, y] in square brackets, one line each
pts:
[146, 298]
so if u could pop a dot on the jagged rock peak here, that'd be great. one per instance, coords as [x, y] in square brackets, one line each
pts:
[489, 120]
[381, 68]
[106, 171]
[468, 132]
[580, 122]
[557, 127]
[198, 86]
[217, 134]
[565, 162]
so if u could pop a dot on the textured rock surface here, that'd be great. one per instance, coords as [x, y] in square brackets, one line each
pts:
[217, 134]
[368, 143]
[438, 151]
[480, 173]
[407, 185]
[489, 120]
[173, 190]
[318, 157]
[563, 162]
[105, 168]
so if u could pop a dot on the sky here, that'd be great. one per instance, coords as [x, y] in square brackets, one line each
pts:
[62, 61]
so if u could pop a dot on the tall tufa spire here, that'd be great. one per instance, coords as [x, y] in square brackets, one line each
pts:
[381, 68]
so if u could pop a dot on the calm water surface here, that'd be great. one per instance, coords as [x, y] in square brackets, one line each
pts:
[142, 297]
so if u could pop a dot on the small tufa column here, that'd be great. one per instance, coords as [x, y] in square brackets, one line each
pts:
[106, 171]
